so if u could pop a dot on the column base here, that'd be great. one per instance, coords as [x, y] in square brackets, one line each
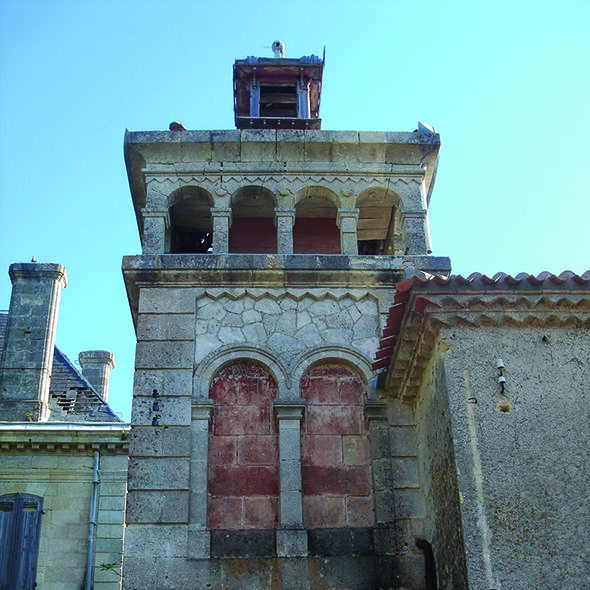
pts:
[291, 542]
[199, 542]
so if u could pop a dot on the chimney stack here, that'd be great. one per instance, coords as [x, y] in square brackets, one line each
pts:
[29, 341]
[96, 367]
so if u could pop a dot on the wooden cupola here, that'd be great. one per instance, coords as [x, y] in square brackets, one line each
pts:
[278, 93]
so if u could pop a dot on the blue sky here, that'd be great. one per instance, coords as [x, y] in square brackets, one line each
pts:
[505, 83]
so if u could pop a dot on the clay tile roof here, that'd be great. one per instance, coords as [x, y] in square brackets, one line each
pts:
[422, 284]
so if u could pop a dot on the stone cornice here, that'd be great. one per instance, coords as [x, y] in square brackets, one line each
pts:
[39, 438]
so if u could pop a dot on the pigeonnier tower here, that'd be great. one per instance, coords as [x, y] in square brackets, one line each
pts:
[260, 449]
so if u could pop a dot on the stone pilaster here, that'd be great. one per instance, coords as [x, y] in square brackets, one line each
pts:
[416, 232]
[155, 225]
[291, 536]
[376, 413]
[285, 220]
[347, 222]
[221, 217]
[199, 537]
[29, 341]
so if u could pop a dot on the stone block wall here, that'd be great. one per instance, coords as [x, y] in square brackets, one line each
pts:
[442, 526]
[63, 478]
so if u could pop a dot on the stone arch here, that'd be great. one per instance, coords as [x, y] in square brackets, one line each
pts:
[378, 230]
[316, 230]
[339, 354]
[252, 229]
[223, 356]
[191, 227]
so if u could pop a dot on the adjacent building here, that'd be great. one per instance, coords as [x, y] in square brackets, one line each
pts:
[63, 452]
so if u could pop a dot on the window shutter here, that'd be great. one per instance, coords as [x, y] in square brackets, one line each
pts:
[7, 523]
[20, 528]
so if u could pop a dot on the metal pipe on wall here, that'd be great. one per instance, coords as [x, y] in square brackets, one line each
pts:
[92, 523]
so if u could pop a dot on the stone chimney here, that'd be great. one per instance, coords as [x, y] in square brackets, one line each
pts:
[29, 341]
[96, 367]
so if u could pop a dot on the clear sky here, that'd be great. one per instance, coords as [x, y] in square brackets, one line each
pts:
[506, 83]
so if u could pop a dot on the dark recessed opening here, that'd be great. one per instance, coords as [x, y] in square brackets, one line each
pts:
[278, 101]
[192, 242]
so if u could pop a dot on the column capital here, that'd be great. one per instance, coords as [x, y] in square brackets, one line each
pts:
[220, 211]
[375, 410]
[346, 213]
[157, 213]
[289, 409]
[202, 409]
[413, 214]
[285, 214]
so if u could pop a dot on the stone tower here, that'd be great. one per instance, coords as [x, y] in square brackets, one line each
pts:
[259, 449]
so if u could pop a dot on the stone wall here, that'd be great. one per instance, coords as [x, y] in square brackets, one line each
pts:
[438, 478]
[521, 455]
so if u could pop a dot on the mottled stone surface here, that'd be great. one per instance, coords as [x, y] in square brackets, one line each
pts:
[521, 455]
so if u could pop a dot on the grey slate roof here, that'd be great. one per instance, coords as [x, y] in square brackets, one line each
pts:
[71, 397]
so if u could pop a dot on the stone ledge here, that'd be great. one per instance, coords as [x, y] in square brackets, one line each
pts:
[36, 438]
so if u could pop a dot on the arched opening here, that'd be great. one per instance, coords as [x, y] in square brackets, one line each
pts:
[376, 224]
[243, 478]
[191, 229]
[335, 451]
[252, 230]
[315, 230]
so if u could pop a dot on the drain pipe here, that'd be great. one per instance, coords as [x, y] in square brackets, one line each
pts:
[92, 524]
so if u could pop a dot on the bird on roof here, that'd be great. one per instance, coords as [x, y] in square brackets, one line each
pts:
[176, 126]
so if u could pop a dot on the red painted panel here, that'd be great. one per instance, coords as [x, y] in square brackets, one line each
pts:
[243, 450]
[232, 480]
[316, 236]
[336, 460]
[253, 235]
[336, 480]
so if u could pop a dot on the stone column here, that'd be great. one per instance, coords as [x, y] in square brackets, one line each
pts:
[221, 217]
[96, 367]
[155, 225]
[199, 537]
[291, 535]
[346, 221]
[376, 413]
[284, 221]
[29, 341]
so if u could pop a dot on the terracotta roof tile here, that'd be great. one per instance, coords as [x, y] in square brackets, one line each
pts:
[500, 282]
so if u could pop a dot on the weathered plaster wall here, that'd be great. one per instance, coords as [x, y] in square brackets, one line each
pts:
[438, 477]
[523, 473]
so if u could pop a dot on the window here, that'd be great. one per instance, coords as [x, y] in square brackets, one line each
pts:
[20, 527]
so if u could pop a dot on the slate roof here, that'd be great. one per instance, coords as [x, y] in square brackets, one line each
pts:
[71, 397]
[422, 285]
